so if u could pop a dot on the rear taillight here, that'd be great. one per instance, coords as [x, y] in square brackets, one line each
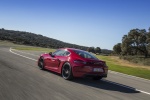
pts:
[79, 62]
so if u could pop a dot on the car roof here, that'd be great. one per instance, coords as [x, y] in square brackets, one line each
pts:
[71, 49]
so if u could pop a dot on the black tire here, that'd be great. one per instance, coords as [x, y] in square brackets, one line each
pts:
[67, 71]
[41, 63]
[97, 78]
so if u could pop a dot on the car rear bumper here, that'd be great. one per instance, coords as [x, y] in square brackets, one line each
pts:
[88, 72]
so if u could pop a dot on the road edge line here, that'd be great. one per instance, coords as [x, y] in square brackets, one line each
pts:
[127, 87]
[22, 55]
[25, 52]
[114, 72]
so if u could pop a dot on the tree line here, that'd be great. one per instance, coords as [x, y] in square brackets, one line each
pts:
[27, 38]
[98, 50]
[136, 42]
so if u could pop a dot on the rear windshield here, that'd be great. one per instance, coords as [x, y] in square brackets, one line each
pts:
[85, 54]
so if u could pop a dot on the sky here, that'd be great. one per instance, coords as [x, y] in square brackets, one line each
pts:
[98, 23]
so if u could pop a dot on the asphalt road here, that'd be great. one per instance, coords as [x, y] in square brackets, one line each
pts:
[21, 79]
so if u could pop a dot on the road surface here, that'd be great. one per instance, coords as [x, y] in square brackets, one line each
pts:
[21, 79]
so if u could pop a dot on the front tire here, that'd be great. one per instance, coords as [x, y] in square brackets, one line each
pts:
[41, 63]
[67, 71]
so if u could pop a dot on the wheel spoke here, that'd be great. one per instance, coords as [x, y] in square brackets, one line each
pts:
[65, 71]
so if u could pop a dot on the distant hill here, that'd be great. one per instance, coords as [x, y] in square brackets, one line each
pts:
[27, 38]
[32, 39]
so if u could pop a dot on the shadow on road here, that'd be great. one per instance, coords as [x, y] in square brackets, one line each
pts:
[106, 85]
[102, 84]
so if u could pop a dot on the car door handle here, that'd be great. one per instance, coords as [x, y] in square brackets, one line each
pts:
[55, 59]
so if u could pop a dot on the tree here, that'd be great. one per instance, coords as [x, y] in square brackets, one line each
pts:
[125, 45]
[98, 50]
[135, 42]
[138, 38]
[148, 41]
[117, 48]
[91, 49]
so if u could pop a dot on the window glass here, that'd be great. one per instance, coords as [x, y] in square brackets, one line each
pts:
[66, 53]
[59, 53]
[85, 54]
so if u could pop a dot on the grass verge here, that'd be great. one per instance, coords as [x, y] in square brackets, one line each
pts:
[139, 72]
[34, 49]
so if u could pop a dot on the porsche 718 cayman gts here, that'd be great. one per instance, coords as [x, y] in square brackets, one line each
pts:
[70, 63]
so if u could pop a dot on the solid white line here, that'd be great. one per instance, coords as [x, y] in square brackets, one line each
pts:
[103, 80]
[129, 75]
[143, 91]
[128, 87]
[25, 52]
[22, 55]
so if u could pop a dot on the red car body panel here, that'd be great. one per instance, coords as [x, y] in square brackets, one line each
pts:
[78, 69]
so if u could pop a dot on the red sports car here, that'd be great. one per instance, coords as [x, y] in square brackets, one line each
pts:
[70, 62]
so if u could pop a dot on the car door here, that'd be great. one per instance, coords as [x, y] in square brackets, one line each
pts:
[54, 60]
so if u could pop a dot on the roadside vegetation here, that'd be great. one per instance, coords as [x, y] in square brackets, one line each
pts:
[126, 67]
[35, 49]
[24, 47]
[135, 47]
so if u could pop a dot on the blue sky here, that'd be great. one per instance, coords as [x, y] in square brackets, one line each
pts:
[98, 23]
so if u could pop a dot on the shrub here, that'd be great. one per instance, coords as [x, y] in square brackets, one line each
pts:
[137, 59]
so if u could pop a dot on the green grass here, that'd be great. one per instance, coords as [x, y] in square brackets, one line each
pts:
[6, 43]
[139, 72]
[24, 47]
[34, 49]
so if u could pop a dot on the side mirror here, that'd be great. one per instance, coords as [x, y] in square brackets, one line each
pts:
[50, 53]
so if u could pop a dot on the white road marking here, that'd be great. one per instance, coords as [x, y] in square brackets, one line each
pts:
[21, 55]
[141, 91]
[25, 52]
[128, 75]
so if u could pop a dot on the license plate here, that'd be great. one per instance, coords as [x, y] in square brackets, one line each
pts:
[98, 70]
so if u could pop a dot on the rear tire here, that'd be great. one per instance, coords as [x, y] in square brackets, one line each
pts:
[97, 78]
[67, 71]
[41, 63]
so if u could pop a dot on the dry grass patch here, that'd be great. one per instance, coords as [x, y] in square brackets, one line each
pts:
[127, 63]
